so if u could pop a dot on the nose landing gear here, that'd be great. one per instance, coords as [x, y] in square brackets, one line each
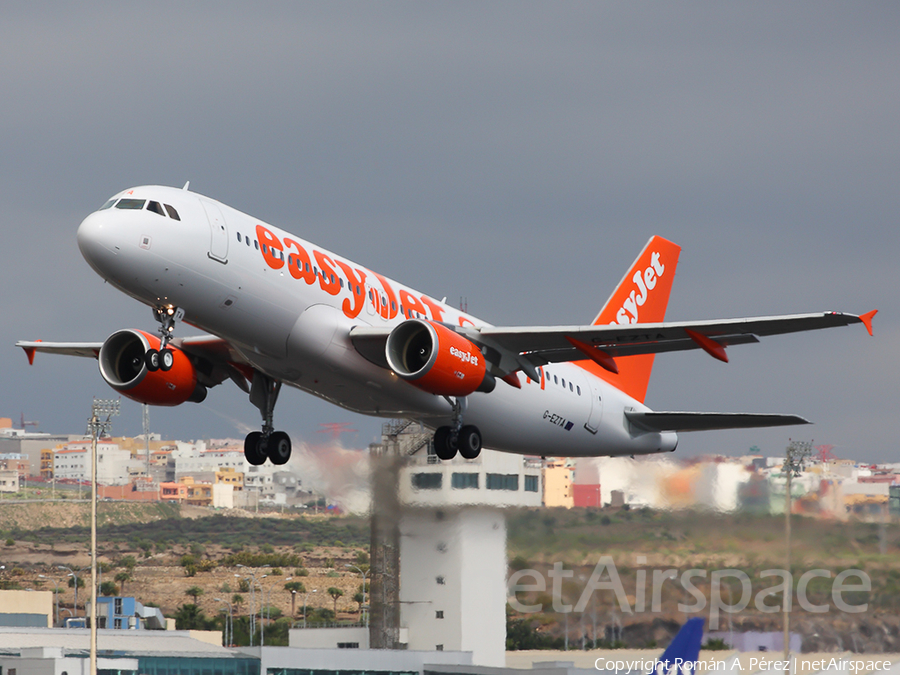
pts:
[464, 439]
[163, 358]
[268, 443]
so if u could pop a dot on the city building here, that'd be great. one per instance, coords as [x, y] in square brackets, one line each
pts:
[558, 483]
[21, 609]
[126, 613]
[53, 651]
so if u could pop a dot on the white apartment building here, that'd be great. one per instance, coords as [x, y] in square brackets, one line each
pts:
[73, 462]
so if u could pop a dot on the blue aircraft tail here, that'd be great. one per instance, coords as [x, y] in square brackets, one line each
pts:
[683, 652]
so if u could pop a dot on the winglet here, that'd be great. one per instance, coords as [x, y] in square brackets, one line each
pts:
[598, 356]
[707, 344]
[29, 352]
[867, 320]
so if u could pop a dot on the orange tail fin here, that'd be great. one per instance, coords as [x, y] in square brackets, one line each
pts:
[641, 297]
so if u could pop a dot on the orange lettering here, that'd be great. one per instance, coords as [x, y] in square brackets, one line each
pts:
[357, 290]
[301, 268]
[410, 304]
[327, 281]
[437, 312]
[268, 243]
[388, 310]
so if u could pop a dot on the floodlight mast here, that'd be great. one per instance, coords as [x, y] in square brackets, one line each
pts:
[96, 427]
[796, 454]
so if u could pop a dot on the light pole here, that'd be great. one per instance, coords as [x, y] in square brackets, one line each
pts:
[304, 604]
[363, 574]
[796, 454]
[229, 622]
[253, 583]
[262, 625]
[268, 591]
[96, 426]
[55, 596]
[72, 573]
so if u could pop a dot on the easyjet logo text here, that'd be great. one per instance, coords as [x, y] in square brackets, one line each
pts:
[645, 281]
[315, 267]
[465, 357]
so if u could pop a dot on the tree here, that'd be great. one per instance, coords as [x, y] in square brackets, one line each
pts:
[335, 593]
[108, 588]
[294, 587]
[360, 599]
[190, 617]
[72, 582]
[121, 578]
[237, 600]
[194, 592]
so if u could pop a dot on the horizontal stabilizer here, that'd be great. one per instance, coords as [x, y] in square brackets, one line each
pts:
[708, 421]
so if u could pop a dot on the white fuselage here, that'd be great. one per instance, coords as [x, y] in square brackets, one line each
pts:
[235, 278]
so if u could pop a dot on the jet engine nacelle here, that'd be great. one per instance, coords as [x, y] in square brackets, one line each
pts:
[123, 366]
[437, 359]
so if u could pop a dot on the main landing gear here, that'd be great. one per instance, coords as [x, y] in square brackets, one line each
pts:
[268, 443]
[464, 439]
[163, 358]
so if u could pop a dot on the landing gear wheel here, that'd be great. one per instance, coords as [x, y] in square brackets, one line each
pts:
[255, 448]
[279, 448]
[166, 359]
[151, 360]
[469, 442]
[445, 443]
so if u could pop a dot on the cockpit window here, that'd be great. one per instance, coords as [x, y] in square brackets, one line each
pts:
[173, 214]
[156, 208]
[131, 204]
[107, 204]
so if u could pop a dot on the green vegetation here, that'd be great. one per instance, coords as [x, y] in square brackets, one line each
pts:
[127, 523]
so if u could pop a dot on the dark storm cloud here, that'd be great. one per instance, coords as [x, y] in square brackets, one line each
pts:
[518, 154]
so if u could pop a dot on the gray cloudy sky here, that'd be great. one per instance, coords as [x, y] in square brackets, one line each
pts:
[517, 154]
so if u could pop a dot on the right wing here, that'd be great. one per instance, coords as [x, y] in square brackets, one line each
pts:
[509, 349]
[221, 360]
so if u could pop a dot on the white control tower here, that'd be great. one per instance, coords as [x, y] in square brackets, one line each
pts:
[452, 548]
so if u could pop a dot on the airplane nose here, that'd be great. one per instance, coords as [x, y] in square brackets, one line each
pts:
[90, 236]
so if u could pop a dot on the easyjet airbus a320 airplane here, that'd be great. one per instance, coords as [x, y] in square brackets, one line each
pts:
[280, 310]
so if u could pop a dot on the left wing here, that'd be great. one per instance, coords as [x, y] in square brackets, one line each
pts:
[554, 344]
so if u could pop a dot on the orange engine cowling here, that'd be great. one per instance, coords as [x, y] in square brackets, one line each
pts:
[122, 366]
[436, 359]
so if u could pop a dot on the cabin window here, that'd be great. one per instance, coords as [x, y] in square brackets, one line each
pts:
[239, 237]
[256, 244]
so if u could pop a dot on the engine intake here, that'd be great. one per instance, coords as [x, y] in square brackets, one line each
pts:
[123, 368]
[437, 359]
